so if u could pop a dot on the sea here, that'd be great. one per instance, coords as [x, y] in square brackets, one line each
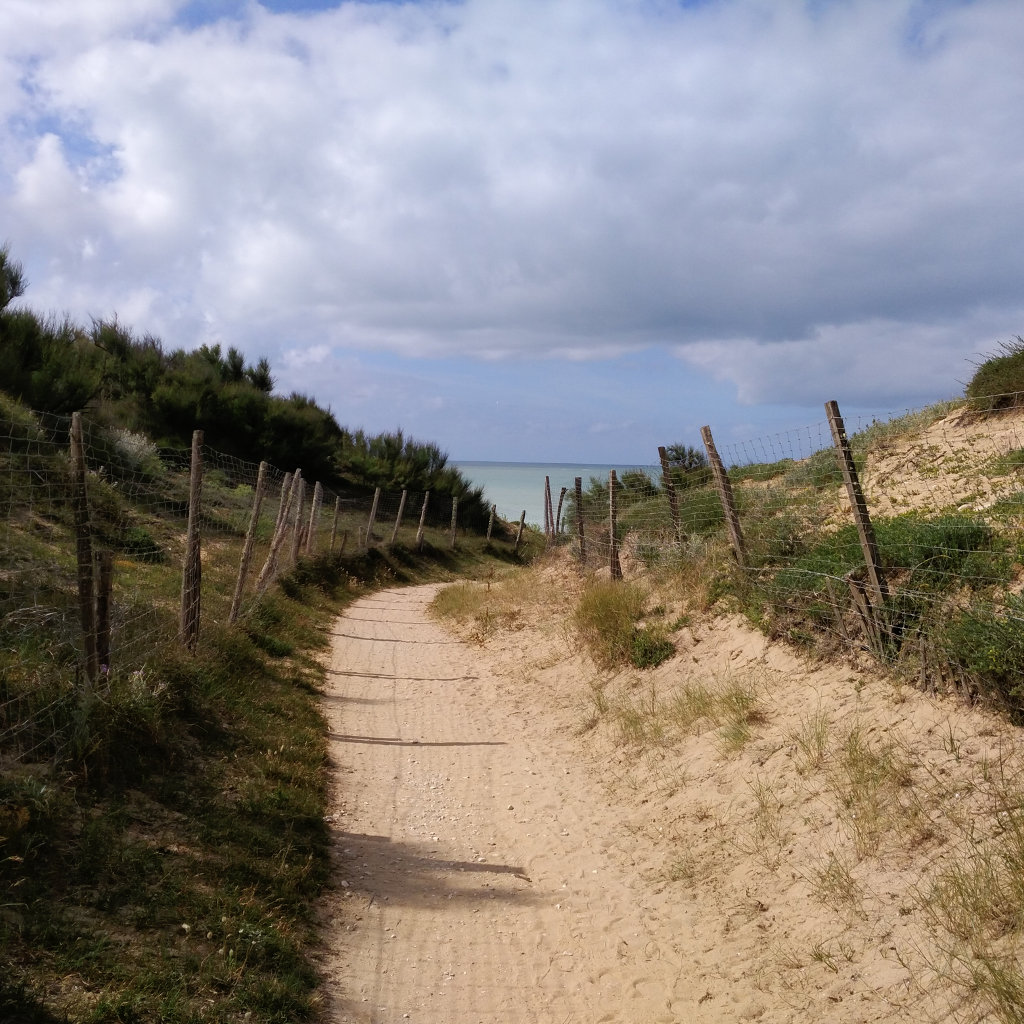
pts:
[515, 486]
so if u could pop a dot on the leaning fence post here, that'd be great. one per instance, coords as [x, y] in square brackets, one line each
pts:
[865, 531]
[398, 518]
[334, 524]
[732, 519]
[549, 526]
[192, 566]
[83, 548]
[558, 514]
[250, 543]
[423, 521]
[490, 522]
[286, 487]
[314, 517]
[670, 489]
[455, 519]
[300, 508]
[519, 533]
[288, 495]
[614, 565]
[104, 594]
[579, 520]
[373, 516]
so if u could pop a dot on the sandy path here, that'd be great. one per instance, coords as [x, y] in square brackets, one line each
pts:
[482, 874]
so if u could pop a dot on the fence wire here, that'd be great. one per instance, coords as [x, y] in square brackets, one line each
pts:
[138, 505]
[944, 488]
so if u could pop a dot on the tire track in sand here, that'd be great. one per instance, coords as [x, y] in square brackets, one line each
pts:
[474, 863]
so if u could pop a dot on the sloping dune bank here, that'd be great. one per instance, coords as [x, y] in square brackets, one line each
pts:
[735, 835]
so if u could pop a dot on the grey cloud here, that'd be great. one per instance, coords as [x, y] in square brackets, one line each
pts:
[499, 178]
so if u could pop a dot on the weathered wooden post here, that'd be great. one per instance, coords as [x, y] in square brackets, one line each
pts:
[614, 565]
[104, 595]
[879, 591]
[579, 520]
[283, 514]
[192, 565]
[398, 518]
[732, 519]
[670, 489]
[455, 519]
[373, 516]
[423, 521]
[549, 526]
[334, 524]
[83, 549]
[314, 517]
[286, 487]
[558, 514]
[300, 508]
[490, 522]
[250, 543]
[519, 533]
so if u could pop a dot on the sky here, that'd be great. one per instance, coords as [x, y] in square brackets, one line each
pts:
[532, 230]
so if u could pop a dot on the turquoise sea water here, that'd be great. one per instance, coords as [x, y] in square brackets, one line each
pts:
[514, 486]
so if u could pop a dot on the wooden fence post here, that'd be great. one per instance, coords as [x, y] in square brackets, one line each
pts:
[490, 522]
[398, 518]
[455, 519]
[334, 525]
[549, 526]
[865, 531]
[314, 517]
[579, 520]
[250, 543]
[732, 519]
[104, 594]
[558, 514]
[192, 565]
[283, 514]
[83, 549]
[373, 516]
[300, 508]
[519, 533]
[286, 489]
[614, 565]
[423, 521]
[670, 489]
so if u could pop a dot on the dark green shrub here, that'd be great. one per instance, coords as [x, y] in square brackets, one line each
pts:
[922, 557]
[649, 647]
[688, 466]
[998, 382]
[137, 542]
[989, 648]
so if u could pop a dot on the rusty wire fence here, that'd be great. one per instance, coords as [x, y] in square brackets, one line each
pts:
[110, 554]
[902, 537]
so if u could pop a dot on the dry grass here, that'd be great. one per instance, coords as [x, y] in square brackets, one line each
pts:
[834, 885]
[870, 780]
[975, 906]
[811, 740]
[643, 717]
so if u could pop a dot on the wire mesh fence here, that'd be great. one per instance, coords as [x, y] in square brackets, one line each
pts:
[137, 509]
[942, 492]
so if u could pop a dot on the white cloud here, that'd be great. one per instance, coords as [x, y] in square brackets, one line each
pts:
[498, 179]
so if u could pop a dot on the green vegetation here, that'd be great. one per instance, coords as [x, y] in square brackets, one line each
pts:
[998, 382]
[162, 832]
[130, 383]
[607, 621]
